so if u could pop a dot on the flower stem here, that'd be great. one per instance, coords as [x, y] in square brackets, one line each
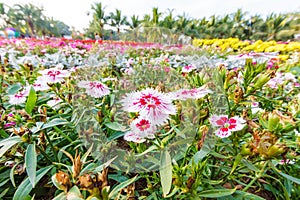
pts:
[257, 176]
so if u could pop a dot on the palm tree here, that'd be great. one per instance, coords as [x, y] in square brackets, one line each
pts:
[168, 21]
[30, 15]
[117, 20]
[182, 23]
[155, 16]
[134, 22]
[99, 18]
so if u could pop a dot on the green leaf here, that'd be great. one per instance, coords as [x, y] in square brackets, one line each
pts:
[113, 194]
[55, 122]
[245, 196]
[61, 196]
[291, 178]
[3, 193]
[237, 161]
[8, 143]
[104, 165]
[74, 194]
[25, 187]
[215, 193]
[115, 126]
[14, 89]
[165, 171]
[201, 154]
[30, 163]
[12, 173]
[31, 101]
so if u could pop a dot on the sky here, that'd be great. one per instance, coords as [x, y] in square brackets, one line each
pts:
[74, 12]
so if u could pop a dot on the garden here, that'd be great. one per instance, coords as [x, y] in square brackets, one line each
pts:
[151, 113]
[82, 119]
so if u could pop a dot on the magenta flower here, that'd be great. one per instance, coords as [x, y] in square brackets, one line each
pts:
[196, 93]
[9, 124]
[227, 125]
[53, 75]
[151, 104]
[95, 89]
[187, 69]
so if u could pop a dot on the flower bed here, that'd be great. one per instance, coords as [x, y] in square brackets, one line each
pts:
[115, 120]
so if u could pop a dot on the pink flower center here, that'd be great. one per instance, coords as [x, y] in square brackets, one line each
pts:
[96, 85]
[143, 125]
[149, 101]
[54, 73]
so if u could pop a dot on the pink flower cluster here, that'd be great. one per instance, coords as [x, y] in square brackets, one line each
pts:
[154, 109]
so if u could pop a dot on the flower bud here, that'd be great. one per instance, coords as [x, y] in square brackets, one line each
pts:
[261, 80]
[273, 122]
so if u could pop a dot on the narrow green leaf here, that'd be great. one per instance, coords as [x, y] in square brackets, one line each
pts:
[54, 122]
[201, 154]
[61, 196]
[215, 193]
[12, 173]
[115, 126]
[8, 143]
[30, 163]
[25, 187]
[3, 193]
[291, 178]
[116, 190]
[165, 171]
[74, 194]
[245, 196]
[31, 101]
[237, 161]
[104, 165]
[14, 89]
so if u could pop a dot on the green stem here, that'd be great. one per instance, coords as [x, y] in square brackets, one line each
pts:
[257, 176]
[48, 159]
[51, 146]
[1, 90]
[63, 134]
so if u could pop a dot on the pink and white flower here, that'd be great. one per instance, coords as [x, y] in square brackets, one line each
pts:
[39, 85]
[55, 103]
[95, 89]
[19, 98]
[143, 127]
[227, 125]
[187, 68]
[151, 104]
[287, 161]
[140, 130]
[53, 75]
[133, 137]
[255, 107]
[196, 93]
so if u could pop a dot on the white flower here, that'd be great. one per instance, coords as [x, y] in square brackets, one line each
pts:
[187, 68]
[55, 103]
[196, 93]
[19, 98]
[95, 89]
[53, 75]
[151, 104]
